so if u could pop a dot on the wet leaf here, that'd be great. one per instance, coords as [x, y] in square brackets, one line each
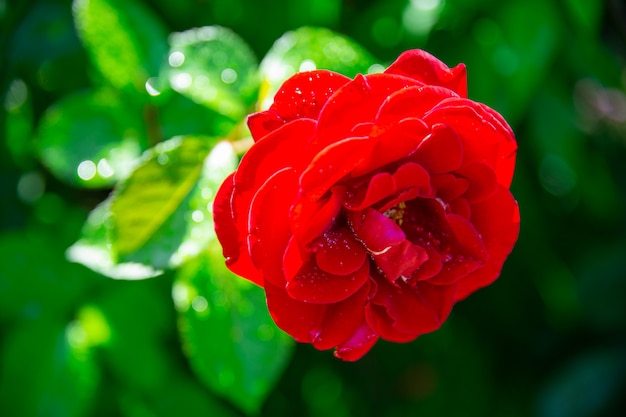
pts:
[44, 372]
[91, 138]
[231, 341]
[310, 48]
[124, 39]
[157, 188]
[35, 280]
[213, 67]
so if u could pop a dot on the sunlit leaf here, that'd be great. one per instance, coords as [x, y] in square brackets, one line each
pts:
[124, 39]
[91, 138]
[45, 372]
[153, 201]
[94, 249]
[307, 49]
[229, 337]
[214, 67]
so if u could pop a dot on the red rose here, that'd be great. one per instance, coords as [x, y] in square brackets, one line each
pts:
[366, 208]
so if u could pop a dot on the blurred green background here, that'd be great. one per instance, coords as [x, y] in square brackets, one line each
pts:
[88, 86]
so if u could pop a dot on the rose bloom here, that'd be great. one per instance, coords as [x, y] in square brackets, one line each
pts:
[366, 208]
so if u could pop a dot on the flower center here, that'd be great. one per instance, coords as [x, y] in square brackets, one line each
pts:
[396, 213]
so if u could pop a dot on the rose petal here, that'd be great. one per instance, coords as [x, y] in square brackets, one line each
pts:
[458, 245]
[311, 218]
[356, 102]
[377, 232]
[441, 151]
[263, 123]
[392, 144]
[386, 243]
[411, 102]
[358, 345]
[400, 313]
[339, 253]
[323, 325]
[384, 185]
[448, 186]
[332, 164]
[305, 93]
[269, 232]
[422, 66]
[313, 285]
[497, 220]
[461, 207]
[342, 320]
[276, 151]
[484, 135]
[231, 238]
[482, 181]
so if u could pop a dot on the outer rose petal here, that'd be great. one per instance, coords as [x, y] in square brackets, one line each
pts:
[354, 103]
[484, 135]
[233, 240]
[497, 220]
[358, 345]
[301, 96]
[324, 325]
[422, 66]
[411, 102]
[400, 313]
[269, 233]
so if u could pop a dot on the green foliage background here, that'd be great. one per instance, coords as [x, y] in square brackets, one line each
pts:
[138, 97]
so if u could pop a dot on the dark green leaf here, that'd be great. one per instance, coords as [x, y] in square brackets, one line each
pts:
[306, 49]
[214, 67]
[91, 138]
[35, 280]
[125, 40]
[229, 337]
[19, 123]
[46, 372]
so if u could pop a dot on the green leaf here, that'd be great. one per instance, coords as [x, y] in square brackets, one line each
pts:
[139, 318]
[179, 115]
[231, 341]
[144, 204]
[94, 249]
[214, 67]
[19, 123]
[124, 39]
[35, 280]
[44, 372]
[161, 215]
[509, 56]
[91, 138]
[310, 48]
[586, 14]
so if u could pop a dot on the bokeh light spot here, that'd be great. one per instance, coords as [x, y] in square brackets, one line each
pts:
[176, 59]
[86, 170]
[30, 187]
[229, 76]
